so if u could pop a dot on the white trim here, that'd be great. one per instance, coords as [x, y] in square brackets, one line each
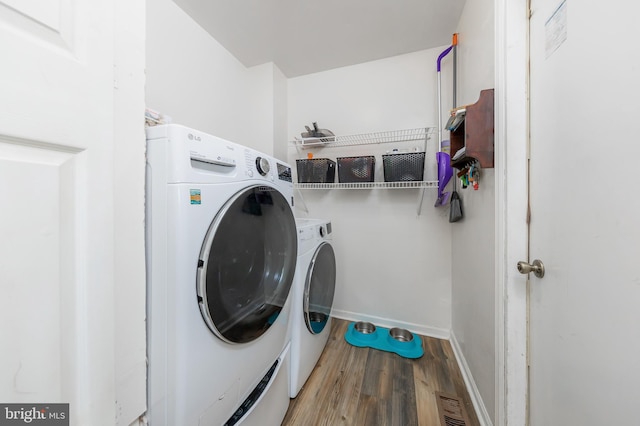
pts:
[511, 132]
[140, 421]
[474, 393]
[438, 333]
[500, 231]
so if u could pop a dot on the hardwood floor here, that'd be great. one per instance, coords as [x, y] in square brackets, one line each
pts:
[363, 386]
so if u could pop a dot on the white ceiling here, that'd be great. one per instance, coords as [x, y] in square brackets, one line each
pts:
[307, 36]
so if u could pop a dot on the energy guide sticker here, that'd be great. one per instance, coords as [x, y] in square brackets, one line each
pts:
[194, 196]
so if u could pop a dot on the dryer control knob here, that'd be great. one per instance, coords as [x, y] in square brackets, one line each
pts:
[322, 231]
[262, 164]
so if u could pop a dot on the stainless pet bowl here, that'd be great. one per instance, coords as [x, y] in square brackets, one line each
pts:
[364, 327]
[401, 335]
[317, 317]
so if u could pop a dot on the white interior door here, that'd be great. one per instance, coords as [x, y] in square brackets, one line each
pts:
[585, 312]
[56, 206]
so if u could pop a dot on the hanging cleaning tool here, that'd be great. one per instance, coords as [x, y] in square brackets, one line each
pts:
[443, 159]
[454, 44]
[455, 208]
[455, 213]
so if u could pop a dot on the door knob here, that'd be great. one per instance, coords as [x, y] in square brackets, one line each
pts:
[537, 267]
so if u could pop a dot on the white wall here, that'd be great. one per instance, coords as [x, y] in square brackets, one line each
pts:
[280, 109]
[199, 84]
[394, 267]
[473, 238]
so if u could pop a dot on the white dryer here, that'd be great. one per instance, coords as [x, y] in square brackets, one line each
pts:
[312, 299]
[221, 257]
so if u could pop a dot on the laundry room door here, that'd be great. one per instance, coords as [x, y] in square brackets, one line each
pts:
[584, 313]
[56, 206]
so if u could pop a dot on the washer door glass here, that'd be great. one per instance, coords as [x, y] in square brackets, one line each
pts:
[247, 264]
[319, 288]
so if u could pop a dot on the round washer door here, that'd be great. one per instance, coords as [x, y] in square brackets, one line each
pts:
[319, 288]
[246, 264]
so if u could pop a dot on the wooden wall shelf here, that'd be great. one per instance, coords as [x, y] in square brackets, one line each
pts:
[475, 134]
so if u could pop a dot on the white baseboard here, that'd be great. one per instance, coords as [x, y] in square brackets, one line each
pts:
[439, 333]
[131, 394]
[474, 393]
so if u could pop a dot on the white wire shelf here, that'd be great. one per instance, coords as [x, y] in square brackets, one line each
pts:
[419, 134]
[368, 185]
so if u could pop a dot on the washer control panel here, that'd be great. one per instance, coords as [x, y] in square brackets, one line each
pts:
[257, 163]
[325, 229]
[262, 165]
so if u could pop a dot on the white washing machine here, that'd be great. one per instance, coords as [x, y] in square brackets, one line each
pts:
[221, 257]
[312, 299]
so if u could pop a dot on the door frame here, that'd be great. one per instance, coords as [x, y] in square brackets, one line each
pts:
[511, 180]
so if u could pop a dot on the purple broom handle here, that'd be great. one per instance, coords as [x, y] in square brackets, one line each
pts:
[442, 55]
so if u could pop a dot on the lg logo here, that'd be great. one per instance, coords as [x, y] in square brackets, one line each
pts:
[192, 137]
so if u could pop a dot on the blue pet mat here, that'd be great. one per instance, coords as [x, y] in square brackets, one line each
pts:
[381, 339]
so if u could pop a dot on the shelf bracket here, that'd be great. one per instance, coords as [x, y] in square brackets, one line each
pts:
[420, 200]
